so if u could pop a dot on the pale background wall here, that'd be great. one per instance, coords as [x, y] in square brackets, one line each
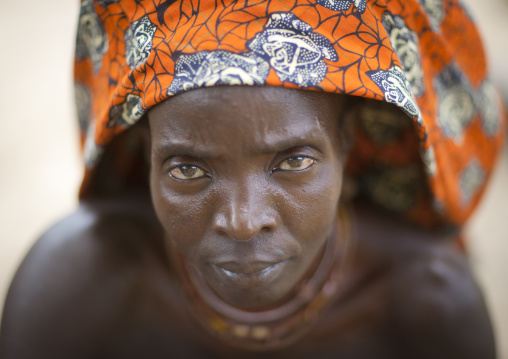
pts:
[39, 155]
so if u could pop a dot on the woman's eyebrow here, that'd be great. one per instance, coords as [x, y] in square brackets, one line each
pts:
[271, 142]
[183, 148]
[275, 144]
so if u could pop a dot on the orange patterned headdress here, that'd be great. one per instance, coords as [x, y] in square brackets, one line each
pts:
[422, 56]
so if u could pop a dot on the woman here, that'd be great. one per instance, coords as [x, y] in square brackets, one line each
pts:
[249, 249]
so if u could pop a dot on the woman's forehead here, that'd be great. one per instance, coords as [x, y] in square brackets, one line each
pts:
[268, 118]
[230, 97]
[240, 104]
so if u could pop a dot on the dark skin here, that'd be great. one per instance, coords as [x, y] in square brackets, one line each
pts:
[100, 284]
[247, 188]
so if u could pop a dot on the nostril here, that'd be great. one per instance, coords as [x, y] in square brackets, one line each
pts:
[266, 229]
[242, 226]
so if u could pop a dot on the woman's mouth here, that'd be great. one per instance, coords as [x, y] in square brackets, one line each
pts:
[248, 275]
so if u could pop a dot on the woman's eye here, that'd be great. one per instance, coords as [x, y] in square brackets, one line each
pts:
[187, 172]
[297, 163]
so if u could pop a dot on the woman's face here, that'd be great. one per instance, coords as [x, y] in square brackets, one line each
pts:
[246, 182]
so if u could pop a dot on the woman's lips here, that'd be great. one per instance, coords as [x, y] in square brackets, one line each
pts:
[248, 275]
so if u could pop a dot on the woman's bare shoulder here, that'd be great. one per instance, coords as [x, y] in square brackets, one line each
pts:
[435, 306]
[79, 276]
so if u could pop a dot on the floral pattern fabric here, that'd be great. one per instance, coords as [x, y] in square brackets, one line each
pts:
[429, 162]
[206, 69]
[435, 12]
[92, 40]
[343, 5]
[397, 90]
[293, 50]
[405, 44]
[138, 41]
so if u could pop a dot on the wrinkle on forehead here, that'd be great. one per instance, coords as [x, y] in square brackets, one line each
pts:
[216, 119]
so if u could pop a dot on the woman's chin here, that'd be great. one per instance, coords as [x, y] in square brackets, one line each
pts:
[253, 290]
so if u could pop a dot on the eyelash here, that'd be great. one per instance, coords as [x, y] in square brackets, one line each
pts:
[308, 163]
[172, 172]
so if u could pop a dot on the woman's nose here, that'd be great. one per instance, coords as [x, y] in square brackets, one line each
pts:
[245, 212]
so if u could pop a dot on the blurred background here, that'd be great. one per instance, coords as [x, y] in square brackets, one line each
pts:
[40, 168]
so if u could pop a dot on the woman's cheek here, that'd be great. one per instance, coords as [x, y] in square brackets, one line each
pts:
[182, 216]
[311, 208]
